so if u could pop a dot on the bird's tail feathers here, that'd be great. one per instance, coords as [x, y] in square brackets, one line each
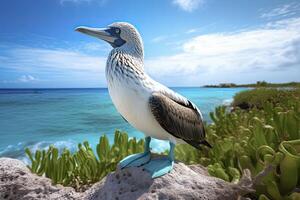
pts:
[198, 145]
[204, 142]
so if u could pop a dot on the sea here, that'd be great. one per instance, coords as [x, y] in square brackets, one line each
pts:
[36, 118]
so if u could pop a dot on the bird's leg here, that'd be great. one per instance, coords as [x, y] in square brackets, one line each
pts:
[160, 166]
[138, 159]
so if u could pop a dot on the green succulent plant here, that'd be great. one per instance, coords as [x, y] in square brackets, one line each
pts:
[83, 166]
[254, 139]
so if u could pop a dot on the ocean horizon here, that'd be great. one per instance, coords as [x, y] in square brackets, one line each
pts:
[39, 117]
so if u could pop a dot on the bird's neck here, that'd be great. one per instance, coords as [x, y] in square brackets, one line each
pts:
[134, 53]
[124, 65]
[134, 50]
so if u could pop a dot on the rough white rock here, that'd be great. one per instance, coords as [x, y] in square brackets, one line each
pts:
[17, 182]
[184, 182]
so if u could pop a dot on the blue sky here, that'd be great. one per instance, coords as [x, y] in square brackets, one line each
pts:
[187, 42]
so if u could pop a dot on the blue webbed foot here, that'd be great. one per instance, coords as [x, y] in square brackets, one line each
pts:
[159, 166]
[135, 160]
[138, 159]
[162, 165]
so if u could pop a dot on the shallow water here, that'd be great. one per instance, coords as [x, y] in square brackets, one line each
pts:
[36, 118]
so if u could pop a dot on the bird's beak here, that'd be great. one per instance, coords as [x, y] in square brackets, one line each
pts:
[101, 33]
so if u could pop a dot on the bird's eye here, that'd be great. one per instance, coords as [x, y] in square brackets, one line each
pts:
[118, 30]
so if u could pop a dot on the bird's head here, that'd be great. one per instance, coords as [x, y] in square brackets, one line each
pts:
[118, 35]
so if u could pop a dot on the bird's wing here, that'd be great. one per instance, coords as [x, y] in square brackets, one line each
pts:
[179, 117]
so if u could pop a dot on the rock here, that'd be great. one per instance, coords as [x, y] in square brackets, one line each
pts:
[17, 182]
[184, 182]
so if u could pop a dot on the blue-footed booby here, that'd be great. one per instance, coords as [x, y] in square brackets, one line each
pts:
[147, 105]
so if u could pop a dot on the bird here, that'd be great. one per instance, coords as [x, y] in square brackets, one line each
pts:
[149, 106]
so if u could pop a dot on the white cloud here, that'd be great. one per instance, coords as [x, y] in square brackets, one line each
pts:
[95, 46]
[188, 5]
[286, 10]
[159, 38]
[223, 56]
[27, 78]
[193, 30]
[75, 1]
[26, 59]
[64, 66]
[169, 40]
[62, 2]
[21, 79]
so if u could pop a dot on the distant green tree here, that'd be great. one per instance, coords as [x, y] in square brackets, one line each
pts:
[261, 83]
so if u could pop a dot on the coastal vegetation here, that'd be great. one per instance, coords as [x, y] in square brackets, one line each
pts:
[83, 167]
[258, 84]
[263, 137]
[257, 98]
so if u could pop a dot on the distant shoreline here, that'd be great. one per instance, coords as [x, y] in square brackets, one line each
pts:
[255, 85]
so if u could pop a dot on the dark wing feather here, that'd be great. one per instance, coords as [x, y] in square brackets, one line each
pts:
[181, 119]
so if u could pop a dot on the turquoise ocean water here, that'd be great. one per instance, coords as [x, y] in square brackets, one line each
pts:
[36, 118]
